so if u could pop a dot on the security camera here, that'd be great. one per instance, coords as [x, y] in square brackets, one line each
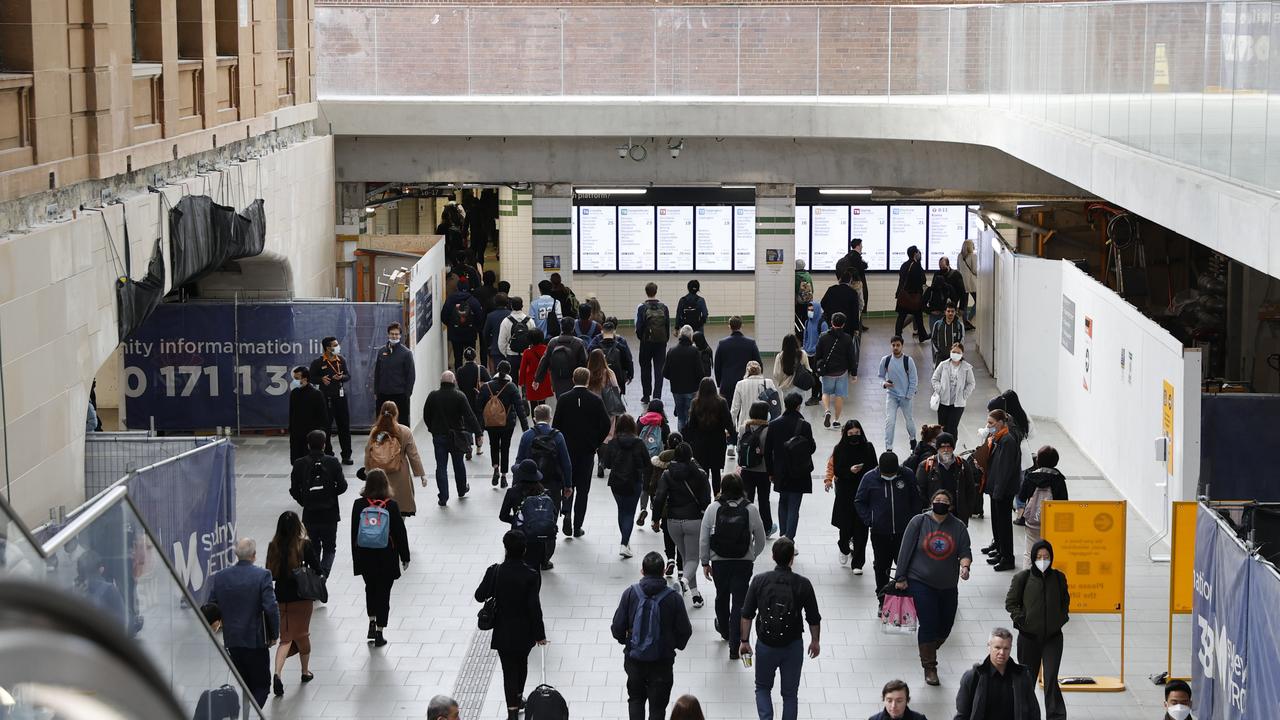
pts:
[675, 152]
[675, 149]
[622, 152]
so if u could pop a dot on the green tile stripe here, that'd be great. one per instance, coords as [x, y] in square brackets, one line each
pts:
[775, 220]
[551, 231]
[775, 231]
[557, 220]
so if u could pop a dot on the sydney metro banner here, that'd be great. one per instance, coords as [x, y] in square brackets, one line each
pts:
[1236, 638]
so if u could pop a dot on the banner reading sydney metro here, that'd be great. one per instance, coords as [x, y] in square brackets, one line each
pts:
[1220, 669]
[194, 366]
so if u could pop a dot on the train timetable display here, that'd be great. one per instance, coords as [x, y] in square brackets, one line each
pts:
[802, 233]
[744, 237]
[635, 237]
[871, 223]
[675, 238]
[947, 228]
[597, 239]
[906, 228]
[829, 236]
[713, 238]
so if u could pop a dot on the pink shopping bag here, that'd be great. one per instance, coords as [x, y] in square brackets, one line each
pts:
[898, 615]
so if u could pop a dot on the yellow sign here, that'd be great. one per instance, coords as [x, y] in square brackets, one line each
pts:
[1166, 422]
[1160, 73]
[1183, 557]
[1089, 547]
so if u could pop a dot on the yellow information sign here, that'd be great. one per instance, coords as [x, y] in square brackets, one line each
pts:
[1166, 423]
[1183, 557]
[1089, 548]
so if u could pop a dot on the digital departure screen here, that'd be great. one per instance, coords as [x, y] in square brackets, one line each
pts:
[635, 237]
[713, 238]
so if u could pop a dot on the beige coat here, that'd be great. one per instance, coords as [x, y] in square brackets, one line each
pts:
[402, 479]
[784, 381]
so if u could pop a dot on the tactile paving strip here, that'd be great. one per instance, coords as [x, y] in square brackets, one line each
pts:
[476, 673]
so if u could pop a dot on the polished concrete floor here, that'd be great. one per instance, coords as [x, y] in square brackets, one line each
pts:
[433, 614]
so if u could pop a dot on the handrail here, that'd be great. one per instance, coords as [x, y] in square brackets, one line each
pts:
[105, 501]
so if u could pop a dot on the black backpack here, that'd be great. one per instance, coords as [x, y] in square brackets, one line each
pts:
[561, 363]
[613, 358]
[462, 314]
[779, 617]
[547, 456]
[750, 454]
[731, 535]
[319, 494]
[799, 451]
[520, 333]
[690, 315]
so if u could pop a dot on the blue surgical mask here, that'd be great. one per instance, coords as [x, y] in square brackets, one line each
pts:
[295, 384]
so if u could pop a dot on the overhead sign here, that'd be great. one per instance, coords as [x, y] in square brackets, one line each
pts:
[1089, 548]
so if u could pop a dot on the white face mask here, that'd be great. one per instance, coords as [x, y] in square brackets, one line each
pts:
[1042, 565]
[983, 432]
[1179, 712]
[295, 384]
[956, 357]
[393, 341]
[810, 313]
[336, 349]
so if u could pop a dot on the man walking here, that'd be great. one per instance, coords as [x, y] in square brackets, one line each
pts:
[449, 417]
[692, 309]
[780, 596]
[899, 380]
[815, 325]
[653, 327]
[246, 598]
[947, 331]
[580, 416]
[545, 310]
[393, 374]
[513, 334]
[651, 623]
[462, 314]
[565, 353]
[1004, 474]
[887, 498]
[317, 482]
[837, 354]
[731, 539]
[998, 687]
[842, 298]
[546, 446]
[731, 358]
[493, 322]
[307, 412]
[683, 369]
[330, 373]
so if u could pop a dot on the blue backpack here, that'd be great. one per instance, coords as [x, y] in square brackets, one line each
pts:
[375, 526]
[645, 644]
[651, 436]
[537, 517]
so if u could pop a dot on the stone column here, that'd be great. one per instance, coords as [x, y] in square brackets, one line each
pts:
[515, 240]
[552, 228]
[775, 281]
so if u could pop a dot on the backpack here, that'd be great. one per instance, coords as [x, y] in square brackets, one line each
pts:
[613, 403]
[375, 526]
[584, 335]
[318, 495]
[778, 619]
[561, 362]
[519, 333]
[222, 703]
[799, 451]
[645, 641]
[547, 456]
[546, 703]
[387, 454]
[750, 454]
[655, 322]
[731, 535]
[462, 314]
[804, 288]
[651, 436]
[690, 315]
[769, 396]
[613, 357]
[1035, 506]
[570, 303]
[537, 517]
[494, 413]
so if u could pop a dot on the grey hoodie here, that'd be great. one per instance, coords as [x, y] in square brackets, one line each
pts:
[758, 537]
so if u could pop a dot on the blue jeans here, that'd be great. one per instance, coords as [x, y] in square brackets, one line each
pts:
[789, 513]
[788, 660]
[626, 515]
[683, 402]
[892, 404]
[936, 610]
[444, 452]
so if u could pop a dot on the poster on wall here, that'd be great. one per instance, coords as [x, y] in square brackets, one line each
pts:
[1088, 353]
[713, 238]
[829, 236]
[1166, 423]
[744, 237]
[675, 238]
[597, 239]
[424, 310]
[906, 228]
[947, 227]
[1069, 325]
[635, 237]
[802, 233]
[871, 224]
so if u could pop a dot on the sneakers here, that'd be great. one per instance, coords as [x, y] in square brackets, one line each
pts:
[684, 585]
[644, 515]
[463, 492]
[826, 420]
[624, 551]
[671, 567]
[844, 559]
[835, 425]
[812, 401]
[857, 571]
[697, 599]
[567, 528]
[1006, 565]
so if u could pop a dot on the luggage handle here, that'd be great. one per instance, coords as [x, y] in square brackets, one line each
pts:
[544, 663]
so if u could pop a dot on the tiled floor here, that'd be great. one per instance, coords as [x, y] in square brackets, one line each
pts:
[433, 614]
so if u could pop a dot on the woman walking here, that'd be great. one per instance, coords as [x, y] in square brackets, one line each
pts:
[748, 390]
[391, 449]
[710, 430]
[499, 406]
[967, 264]
[629, 465]
[953, 383]
[682, 496]
[471, 376]
[529, 361]
[289, 550]
[514, 587]
[787, 364]
[378, 555]
[850, 459]
[934, 557]
[751, 464]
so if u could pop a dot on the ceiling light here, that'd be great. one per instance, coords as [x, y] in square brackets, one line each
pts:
[737, 187]
[844, 191]
[370, 210]
[609, 191]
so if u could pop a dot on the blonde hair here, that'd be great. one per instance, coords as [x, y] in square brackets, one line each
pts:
[753, 368]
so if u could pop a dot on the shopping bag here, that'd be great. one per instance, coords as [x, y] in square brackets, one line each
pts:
[898, 613]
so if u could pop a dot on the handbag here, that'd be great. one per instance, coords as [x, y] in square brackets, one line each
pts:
[934, 401]
[898, 614]
[803, 379]
[311, 585]
[614, 405]
[910, 302]
[487, 617]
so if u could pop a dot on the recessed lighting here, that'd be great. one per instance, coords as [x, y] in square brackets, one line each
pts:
[737, 187]
[610, 191]
[844, 191]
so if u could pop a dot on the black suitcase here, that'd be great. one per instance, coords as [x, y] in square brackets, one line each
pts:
[545, 702]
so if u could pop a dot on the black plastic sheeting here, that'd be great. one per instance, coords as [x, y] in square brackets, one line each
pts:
[1238, 437]
[203, 235]
[136, 299]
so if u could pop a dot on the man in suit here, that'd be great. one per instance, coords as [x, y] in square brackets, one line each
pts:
[245, 596]
[582, 419]
[731, 358]
[393, 375]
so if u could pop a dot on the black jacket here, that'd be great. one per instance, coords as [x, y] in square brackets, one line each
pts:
[447, 408]
[837, 353]
[628, 463]
[624, 368]
[731, 358]
[1004, 469]
[308, 411]
[783, 585]
[790, 469]
[854, 263]
[578, 357]
[960, 478]
[699, 308]
[908, 715]
[508, 395]
[923, 451]
[1043, 477]
[393, 371]
[380, 563]
[683, 492]
[452, 319]
[845, 481]
[337, 372]
[843, 299]
[1039, 603]
[886, 506]
[581, 417]
[489, 333]
[471, 376]
[683, 367]
[971, 700]
[911, 277]
[516, 586]
[286, 586]
[672, 616]
[322, 506]
[709, 439]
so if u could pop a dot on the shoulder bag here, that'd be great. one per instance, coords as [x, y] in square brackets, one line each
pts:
[487, 618]
[311, 584]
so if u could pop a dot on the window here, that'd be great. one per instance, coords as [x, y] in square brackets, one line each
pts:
[284, 24]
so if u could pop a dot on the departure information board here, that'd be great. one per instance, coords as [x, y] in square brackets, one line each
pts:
[871, 223]
[802, 234]
[713, 238]
[635, 237]
[744, 237]
[906, 228]
[947, 226]
[675, 238]
[829, 236]
[597, 239]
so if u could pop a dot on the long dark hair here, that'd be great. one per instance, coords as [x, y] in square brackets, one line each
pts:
[285, 551]
[790, 354]
[706, 404]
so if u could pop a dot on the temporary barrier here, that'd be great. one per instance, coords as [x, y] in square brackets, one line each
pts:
[1181, 569]
[109, 456]
[1088, 540]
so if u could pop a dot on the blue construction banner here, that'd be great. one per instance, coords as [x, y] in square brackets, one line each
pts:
[1263, 698]
[194, 366]
[1220, 672]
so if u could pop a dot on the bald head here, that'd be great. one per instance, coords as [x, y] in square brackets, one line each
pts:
[448, 377]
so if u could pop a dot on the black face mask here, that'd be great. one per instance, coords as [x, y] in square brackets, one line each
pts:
[855, 439]
[941, 508]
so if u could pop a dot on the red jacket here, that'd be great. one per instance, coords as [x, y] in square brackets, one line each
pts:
[528, 368]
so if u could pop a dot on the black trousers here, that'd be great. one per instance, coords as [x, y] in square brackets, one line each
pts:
[325, 538]
[648, 682]
[853, 540]
[917, 317]
[949, 418]
[731, 578]
[576, 508]
[515, 672]
[1032, 652]
[377, 599]
[402, 404]
[500, 447]
[886, 549]
[460, 341]
[758, 489]
[254, 665]
[1002, 527]
[539, 551]
[339, 414]
[653, 355]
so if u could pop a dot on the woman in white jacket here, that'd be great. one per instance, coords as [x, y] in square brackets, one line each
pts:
[953, 383]
[747, 391]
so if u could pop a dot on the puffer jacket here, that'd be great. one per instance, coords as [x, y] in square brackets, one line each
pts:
[683, 492]
[1039, 603]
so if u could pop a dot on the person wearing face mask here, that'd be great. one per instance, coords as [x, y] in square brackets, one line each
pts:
[953, 383]
[852, 458]
[330, 373]
[947, 471]
[815, 325]
[895, 697]
[887, 498]
[998, 687]
[1004, 472]
[1177, 700]
[935, 552]
[1038, 603]
[393, 374]
[307, 412]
